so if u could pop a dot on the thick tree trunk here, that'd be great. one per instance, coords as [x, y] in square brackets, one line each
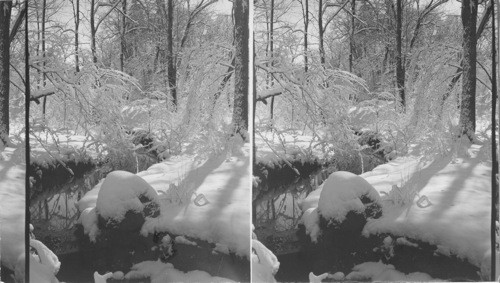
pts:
[5, 13]
[271, 52]
[351, 37]
[458, 73]
[321, 36]
[93, 31]
[468, 101]
[123, 44]
[306, 25]
[77, 25]
[400, 71]
[494, 167]
[171, 72]
[241, 34]
[44, 13]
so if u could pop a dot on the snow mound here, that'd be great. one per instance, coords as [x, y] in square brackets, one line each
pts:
[221, 180]
[342, 193]
[310, 219]
[183, 240]
[160, 272]
[264, 263]
[88, 219]
[98, 278]
[12, 208]
[317, 279]
[122, 191]
[460, 192]
[377, 271]
[45, 265]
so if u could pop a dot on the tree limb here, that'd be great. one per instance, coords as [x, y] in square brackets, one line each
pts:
[18, 22]
[269, 93]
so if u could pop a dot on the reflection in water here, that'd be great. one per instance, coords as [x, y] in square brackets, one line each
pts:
[54, 213]
[277, 212]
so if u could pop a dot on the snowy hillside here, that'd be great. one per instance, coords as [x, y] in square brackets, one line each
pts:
[445, 202]
[12, 208]
[206, 199]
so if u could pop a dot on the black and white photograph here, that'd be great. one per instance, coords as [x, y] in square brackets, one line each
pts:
[249, 141]
[375, 140]
[140, 153]
[12, 141]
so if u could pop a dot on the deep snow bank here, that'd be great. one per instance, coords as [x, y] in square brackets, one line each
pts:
[456, 214]
[206, 199]
[342, 192]
[12, 208]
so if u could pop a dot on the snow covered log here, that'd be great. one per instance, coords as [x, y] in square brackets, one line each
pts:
[344, 192]
[125, 200]
[331, 233]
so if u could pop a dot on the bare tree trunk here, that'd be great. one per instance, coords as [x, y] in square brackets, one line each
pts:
[306, 25]
[321, 35]
[271, 52]
[494, 165]
[44, 14]
[351, 38]
[254, 98]
[468, 102]
[400, 72]
[241, 34]
[37, 50]
[123, 44]
[458, 72]
[76, 12]
[93, 31]
[5, 13]
[171, 70]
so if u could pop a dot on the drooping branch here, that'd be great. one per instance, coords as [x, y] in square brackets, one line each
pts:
[269, 93]
[36, 95]
[17, 23]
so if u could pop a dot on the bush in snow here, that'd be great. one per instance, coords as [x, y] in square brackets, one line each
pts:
[344, 192]
[114, 226]
[264, 263]
[125, 200]
[44, 264]
[345, 204]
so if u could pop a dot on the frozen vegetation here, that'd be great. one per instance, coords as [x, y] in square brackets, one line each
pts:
[204, 199]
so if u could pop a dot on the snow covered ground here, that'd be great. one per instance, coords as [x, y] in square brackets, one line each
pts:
[273, 148]
[445, 202]
[59, 144]
[12, 208]
[201, 198]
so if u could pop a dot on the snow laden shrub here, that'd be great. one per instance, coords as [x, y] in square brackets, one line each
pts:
[201, 120]
[344, 192]
[313, 103]
[123, 192]
[430, 124]
[346, 202]
[264, 263]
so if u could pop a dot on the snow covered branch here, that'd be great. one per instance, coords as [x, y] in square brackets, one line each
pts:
[41, 93]
[269, 93]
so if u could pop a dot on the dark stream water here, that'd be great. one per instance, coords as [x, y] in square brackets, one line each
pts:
[54, 215]
[277, 213]
[276, 217]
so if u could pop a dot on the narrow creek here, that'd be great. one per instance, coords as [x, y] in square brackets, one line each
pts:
[54, 213]
[276, 210]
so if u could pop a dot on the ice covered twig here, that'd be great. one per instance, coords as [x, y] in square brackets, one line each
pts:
[47, 257]
[98, 278]
[317, 279]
